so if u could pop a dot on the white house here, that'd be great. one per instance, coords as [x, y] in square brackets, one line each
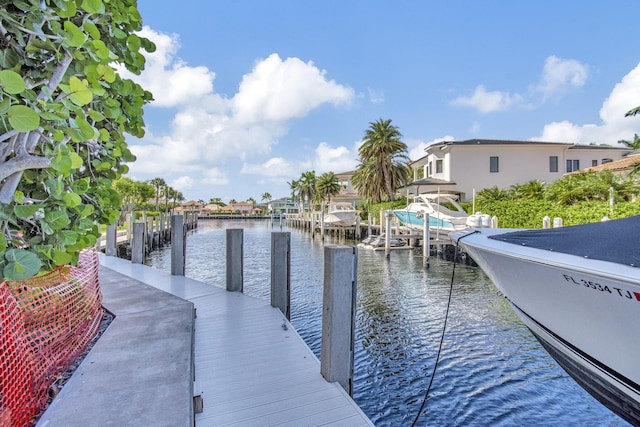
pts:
[284, 205]
[464, 166]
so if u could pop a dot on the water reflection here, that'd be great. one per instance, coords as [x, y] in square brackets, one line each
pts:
[491, 371]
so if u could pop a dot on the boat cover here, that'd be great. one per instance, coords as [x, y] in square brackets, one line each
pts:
[614, 241]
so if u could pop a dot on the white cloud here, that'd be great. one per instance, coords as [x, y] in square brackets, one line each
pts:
[182, 183]
[278, 90]
[209, 130]
[558, 74]
[375, 96]
[171, 81]
[488, 101]
[274, 167]
[214, 176]
[614, 125]
[334, 159]
[325, 159]
[416, 148]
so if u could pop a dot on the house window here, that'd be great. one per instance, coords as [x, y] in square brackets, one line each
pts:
[553, 163]
[606, 161]
[430, 168]
[438, 166]
[493, 164]
[594, 163]
[573, 165]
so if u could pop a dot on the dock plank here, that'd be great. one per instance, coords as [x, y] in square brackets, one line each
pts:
[251, 371]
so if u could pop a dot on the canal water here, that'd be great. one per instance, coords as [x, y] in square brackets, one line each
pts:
[492, 371]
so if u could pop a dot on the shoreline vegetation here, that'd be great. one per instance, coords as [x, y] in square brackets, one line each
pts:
[528, 213]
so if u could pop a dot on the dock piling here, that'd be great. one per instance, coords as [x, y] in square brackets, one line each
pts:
[111, 249]
[138, 243]
[387, 237]
[338, 315]
[426, 242]
[178, 245]
[235, 259]
[281, 272]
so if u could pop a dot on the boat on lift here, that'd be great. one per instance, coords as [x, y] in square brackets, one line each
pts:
[341, 214]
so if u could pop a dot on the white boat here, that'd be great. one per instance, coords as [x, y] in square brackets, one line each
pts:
[578, 290]
[445, 213]
[378, 242]
[341, 214]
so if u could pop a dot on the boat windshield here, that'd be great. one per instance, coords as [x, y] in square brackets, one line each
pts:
[613, 241]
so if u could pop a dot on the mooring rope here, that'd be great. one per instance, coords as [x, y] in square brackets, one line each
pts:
[444, 329]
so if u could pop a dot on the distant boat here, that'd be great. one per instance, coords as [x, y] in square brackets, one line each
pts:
[341, 214]
[578, 290]
[445, 213]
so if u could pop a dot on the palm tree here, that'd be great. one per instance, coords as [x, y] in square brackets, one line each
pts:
[327, 185]
[177, 197]
[382, 153]
[266, 197]
[633, 112]
[493, 194]
[307, 187]
[295, 191]
[591, 186]
[158, 184]
[529, 190]
[635, 144]
[368, 181]
[166, 193]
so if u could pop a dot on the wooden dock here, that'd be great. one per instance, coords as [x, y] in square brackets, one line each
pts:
[251, 366]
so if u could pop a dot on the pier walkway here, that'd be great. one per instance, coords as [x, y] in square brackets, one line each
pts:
[251, 368]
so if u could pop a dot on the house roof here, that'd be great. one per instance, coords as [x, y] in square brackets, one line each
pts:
[599, 147]
[625, 163]
[497, 142]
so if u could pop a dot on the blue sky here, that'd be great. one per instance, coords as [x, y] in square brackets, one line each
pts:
[250, 94]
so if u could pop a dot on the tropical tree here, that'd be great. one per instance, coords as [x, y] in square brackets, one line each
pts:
[307, 187]
[233, 201]
[633, 112]
[177, 198]
[384, 163]
[159, 185]
[294, 186]
[635, 144]
[572, 189]
[534, 189]
[251, 200]
[64, 110]
[493, 194]
[368, 182]
[266, 197]
[327, 185]
[166, 191]
[134, 194]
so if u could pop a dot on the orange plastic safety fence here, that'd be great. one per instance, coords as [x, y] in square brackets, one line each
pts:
[45, 324]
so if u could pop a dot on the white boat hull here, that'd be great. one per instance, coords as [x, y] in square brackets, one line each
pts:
[341, 219]
[341, 214]
[585, 312]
